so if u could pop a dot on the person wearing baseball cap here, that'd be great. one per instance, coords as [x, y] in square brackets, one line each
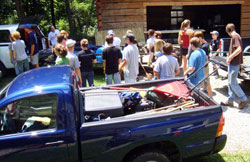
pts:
[73, 59]
[116, 40]
[215, 32]
[32, 46]
[215, 48]
[130, 60]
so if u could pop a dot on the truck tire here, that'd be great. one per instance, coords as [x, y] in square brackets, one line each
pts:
[151, 156]
[3, 69]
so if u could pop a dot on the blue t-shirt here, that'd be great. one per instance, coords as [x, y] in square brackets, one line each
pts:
[197, 60]
[32, 40]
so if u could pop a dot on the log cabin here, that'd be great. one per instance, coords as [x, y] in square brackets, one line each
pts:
[167, 15]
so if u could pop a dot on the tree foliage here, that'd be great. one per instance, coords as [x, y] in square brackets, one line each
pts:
[40, 12]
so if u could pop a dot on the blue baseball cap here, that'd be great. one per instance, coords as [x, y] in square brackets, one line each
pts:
[28, 26]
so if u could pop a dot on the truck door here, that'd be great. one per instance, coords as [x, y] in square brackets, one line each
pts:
[30, 130]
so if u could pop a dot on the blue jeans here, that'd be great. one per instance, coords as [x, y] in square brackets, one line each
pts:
[22, 66]
[115, 77]
[234, 88]
[88, 76]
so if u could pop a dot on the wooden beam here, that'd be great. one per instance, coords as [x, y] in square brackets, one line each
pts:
[184, 3]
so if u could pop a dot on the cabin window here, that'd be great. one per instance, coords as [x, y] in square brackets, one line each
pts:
[29, 114]
[4, 36]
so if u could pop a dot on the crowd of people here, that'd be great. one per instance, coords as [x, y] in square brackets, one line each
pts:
[195, 51]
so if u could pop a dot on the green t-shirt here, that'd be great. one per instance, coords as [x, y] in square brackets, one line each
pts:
[62, 61]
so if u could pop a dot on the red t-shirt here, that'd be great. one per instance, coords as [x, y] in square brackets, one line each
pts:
[185, 40]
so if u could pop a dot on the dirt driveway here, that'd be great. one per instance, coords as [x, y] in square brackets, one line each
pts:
[237, 125]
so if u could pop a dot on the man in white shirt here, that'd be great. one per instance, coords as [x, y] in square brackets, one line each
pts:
[73, 59]
[116, 40]
[52, 37]
[130, 60]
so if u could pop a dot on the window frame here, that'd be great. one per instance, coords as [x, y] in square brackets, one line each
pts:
[35, 131]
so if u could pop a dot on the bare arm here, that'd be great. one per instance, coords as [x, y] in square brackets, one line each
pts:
[32, 49]
[177, 72]
[157, 75]
[104, 66]
[189, 70]
[78, 72]
[179, 38]
[119, 60]
[94, 61]
[234, 54]
[124, 63]
[14, 53]
[11, 53]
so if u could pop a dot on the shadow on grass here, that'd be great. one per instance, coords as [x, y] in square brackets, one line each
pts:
[211, 158]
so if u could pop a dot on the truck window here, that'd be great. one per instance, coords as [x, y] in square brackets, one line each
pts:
[4, 36]
[29, 114]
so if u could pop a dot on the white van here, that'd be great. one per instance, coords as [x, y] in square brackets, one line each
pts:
[5, 31]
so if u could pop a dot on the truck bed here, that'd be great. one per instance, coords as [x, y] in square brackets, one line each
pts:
[189, 131]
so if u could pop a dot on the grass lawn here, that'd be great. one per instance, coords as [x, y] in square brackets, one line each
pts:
[239, 157]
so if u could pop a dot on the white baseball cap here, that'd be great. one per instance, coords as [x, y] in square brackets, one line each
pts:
[110, 32]
[214, 32]
[70, 42]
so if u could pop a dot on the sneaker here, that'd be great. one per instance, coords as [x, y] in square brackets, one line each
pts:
[227, 104]
[243, 104]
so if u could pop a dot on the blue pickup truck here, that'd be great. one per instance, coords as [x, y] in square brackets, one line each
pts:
[45, 117]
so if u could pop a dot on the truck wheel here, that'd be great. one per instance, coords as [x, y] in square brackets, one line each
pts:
[152, 156]
[3, 69]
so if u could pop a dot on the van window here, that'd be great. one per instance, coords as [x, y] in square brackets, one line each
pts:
[4, 36]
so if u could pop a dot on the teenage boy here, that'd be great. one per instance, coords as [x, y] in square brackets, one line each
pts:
[112, 57]
[196, 61]
[73, 59]
[130, 60]
[116, 40]
[205, 46]
[32, 46]
[216, 48]
[150, 44]
[234, 60]
[167, 65]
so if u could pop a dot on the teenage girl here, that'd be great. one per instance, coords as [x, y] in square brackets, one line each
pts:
[183, 40]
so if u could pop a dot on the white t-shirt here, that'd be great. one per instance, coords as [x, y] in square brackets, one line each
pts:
[166, 66]
[150, 41]
[116, 42]
[52, 37]
[73, 60]
[131, 54]
[19, 47]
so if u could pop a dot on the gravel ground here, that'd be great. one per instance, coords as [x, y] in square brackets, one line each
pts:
[237, 122]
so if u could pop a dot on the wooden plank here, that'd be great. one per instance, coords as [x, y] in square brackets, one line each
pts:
[245, 33]
[231, 1]
[185, 2]
[138, 32]
[135, 18]
[245, 15]
[245, 8]
[122, 12]
[245, 21]
[121, 25]
[132, 5]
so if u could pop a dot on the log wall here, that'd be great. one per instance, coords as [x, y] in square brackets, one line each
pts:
[114, 14]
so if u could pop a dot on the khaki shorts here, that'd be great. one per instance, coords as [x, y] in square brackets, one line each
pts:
[35, 59]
